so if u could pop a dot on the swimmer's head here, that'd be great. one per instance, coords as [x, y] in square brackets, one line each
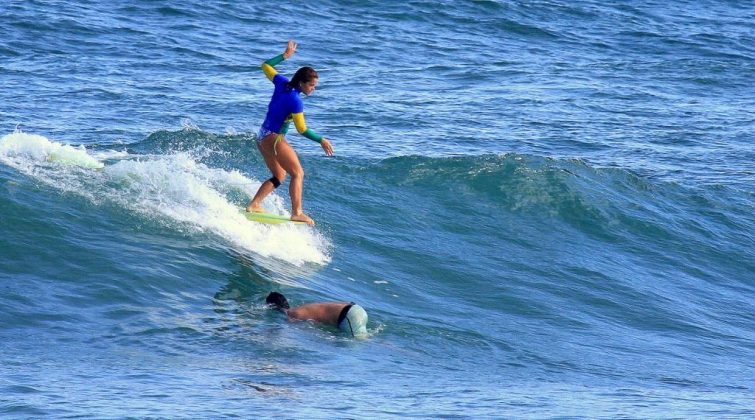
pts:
[277, 300]
[305, 79]
[355, 322]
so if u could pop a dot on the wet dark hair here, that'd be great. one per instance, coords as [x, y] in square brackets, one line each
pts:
[277, 300]
[303, 75]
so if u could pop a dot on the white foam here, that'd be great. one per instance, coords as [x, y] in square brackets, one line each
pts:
[181, 189]
[110, 154]
[18, 147]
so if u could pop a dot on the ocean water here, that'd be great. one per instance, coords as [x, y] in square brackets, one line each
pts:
[546, 208]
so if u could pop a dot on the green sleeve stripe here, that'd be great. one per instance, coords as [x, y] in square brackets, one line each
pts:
[310, 134]
[275, 60]
[284, 127]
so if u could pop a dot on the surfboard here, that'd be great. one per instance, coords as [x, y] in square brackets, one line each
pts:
[268, 218]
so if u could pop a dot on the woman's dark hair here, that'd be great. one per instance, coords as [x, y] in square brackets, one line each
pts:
[303, 75]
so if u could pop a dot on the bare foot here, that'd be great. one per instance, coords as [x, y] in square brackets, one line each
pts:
[251, 208]
[301, 217]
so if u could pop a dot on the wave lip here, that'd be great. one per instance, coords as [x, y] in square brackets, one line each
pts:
[19, 146]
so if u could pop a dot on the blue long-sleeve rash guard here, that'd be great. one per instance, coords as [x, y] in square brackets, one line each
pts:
[285, 104]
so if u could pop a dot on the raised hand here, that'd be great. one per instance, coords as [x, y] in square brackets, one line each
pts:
[290, 49]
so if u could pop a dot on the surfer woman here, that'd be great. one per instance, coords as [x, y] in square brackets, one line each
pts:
[280, 157]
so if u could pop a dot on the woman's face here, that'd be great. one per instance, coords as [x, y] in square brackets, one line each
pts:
[308, 87]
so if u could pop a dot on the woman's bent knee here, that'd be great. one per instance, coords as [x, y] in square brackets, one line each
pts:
[281, 176]
[297, 173]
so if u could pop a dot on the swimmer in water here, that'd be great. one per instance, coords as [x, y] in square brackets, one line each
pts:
[286, 106]
[347, 316]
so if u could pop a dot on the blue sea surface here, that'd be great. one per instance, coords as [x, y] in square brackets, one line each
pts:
[547, 209]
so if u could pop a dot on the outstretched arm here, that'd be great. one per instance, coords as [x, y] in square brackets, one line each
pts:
[301, 127]
[268, 67]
